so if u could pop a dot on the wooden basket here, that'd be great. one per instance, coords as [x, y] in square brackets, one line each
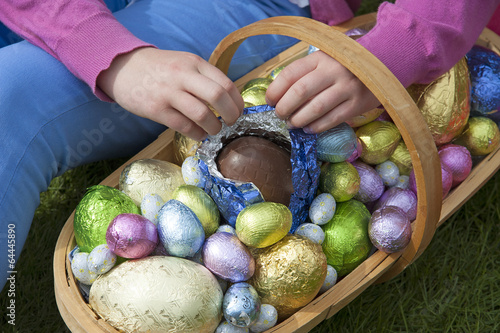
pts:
[379, 267]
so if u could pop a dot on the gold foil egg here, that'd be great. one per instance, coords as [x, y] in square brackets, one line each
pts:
[158, 294]
[347, 243]
[254, 96]
[275, 72]
[262, 82]
[263, 224]
[402, 158]
[150, 176]
[341, 180]
[289, 273]
[365, 118]
[379, 140]
[184, 147]
[481, 136]
[445, 102]
[201, 204]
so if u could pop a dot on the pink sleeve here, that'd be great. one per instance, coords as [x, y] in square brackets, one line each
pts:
[83, 35]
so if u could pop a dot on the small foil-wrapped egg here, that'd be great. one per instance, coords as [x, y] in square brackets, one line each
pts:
[336, 144]
[402, 158]
[379, 140]
[341, 180]
[227, 257]
[357, 153]
[322, 209]
[101, 259]
[389, 229]
[80, 269]
[268, 317]
[241, 304]
[406, 200]
[262, 82]
[227, 327]
[403, 182]
[191, 172]
[227, 228]
[311, 231]
[150, 206]
[184, 147]
[365, 118]
[389, 172]
[481, 136]
[254, 96]
[458, 160]
[180, 230]
[131, 236]
[330, 280]
[446, 181]
[371, 186]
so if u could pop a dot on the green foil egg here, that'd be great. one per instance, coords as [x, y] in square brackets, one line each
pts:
[263, 224]
[379, 140]
[347, 243]
[201, 204]
[340, 180]
[402, 158]
[481, 136]
[98, 207]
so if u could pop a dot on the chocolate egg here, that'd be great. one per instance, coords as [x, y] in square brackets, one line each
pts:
[402, 158]
[322, 208]
[336, 144]
[79, 267]
[379, 140]
[158, 294]
[403, 182]
[365, 118]
[201, 204]
[446, 181]
[180, 230]
[357, 153]
[241, 304]
[371, 185]
[260, 161]
[93, 214]
[254, 96]
[458, 160]
[101, 259]
[263, 224]
[227, 257]
[268, 317]
[262, 82]
[389, 229]
[311, 231]
[191, 172]
[227, 327]
[346, 243]
[184, 147]
[406, 200]
[341, 180]
[389, 172]
[150, 206]
[330, 280]
[481, 136]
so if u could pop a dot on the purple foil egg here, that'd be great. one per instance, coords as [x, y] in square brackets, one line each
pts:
[446, 181]
[131, 236]
[389, 229]
[406, 200]
[356, 153]
[371, 185]
[228, 258]
[458, 160]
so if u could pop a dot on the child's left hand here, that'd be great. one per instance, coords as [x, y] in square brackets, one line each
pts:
[318, 93]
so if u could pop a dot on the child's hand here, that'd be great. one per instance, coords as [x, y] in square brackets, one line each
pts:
[317, 93]
[172, 88]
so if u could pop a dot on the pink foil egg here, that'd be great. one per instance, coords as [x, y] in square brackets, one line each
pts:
[406, 200]
[389, 229]
[371, 185]
[458, 160]
[446, 181]
[131, 236]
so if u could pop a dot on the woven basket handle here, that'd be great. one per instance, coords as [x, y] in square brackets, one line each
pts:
[389, 91]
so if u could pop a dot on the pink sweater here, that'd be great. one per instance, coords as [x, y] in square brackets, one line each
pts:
[416, 40]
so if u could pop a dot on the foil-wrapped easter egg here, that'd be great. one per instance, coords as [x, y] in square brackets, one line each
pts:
[158, 294]
[150, 206]
[98, 207]
[191, 172]
[336, 144]
[80, 269]
[150, 176]
[227, 257]
[180, 230]
[311, 231]
[389, 229]
[227, 327]
[357, 153]
[254, 96]
[289, 274]
[262, 82]
[404, 199]
[131, 236]
[379, 140]
[371, 186]
[445, 102]
[101, 259]
[263, 224]
[402, 158]
[403, 182]
[341, 180]
[184, 147]
[365, 118]
[330, 280]
[241, 304]
[458, 160]
[481, 136]
[446, 181]
[201, 204]
[226, 228]
[268, 317]
[346, 243]
[389, 172]
[322, 208]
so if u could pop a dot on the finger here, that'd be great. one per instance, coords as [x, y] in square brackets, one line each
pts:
[334, 117]
[180, 123]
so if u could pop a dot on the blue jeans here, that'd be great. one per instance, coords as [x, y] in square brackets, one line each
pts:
[50, 121]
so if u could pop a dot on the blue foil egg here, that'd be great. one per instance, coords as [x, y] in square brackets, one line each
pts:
[389, 172]
[330, 280]
[311, 231]
[80, 268]
[150, 206]
[180, 230]
[101, 259]
[403, 182]
[267, 318]
[191, 172]
[227, 327]
[336, 144]
[241, 305]
[322, 209]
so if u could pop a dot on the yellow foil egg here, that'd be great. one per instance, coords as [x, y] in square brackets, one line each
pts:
[184, 147]
[263, 224]
[341, 180]
[255, 95]
[481, 136]
[289, 273]
[379, 140]
[402, 158]
[445, 102]
[365, 118]
[150, 176]
[262, 82]
[158, 294]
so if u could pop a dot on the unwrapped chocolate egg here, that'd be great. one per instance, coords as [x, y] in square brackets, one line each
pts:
[389, 172]
[158, 294]
[311, 231]
[227, 257]
[336, 144]
[150, 206]
[268, 317]
[101, 259]
[406, 200]
[80, 269]
[289, 274]
[322, 208]
[346, 243]
[402, 158]
[263, 224]
[260, 161]
[184, 147]
[379, 140]
[371, 185]
[458, 160]
[191, 172]
[389, 229]
[341, 180]
[365, 118]
[150, 176]
[481, 136]
[241, 304]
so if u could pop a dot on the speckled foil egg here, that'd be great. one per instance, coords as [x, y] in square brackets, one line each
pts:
[131, 236]
[371, 185]
[289, 274]
[346, 243]
[180, 230]
[481, 136]
[403, 182]
[268, 317]
[201, 204]
[80, 269]
[191, 172]
[404, 199]
[341, 180]
[322, 208]
[150, 206]
[389, 172]
[263, 224]
[98, 207]
[241, 304]
[445, 102]
[227, 228]
[184, 147]
[389, 229]
[402, 158]
[311, 231]
[158, 294]
[227, 327]
[254, 96]
[330, 280]
[379, 140]
[227, 257]
[458, 160]
[150, 176]
[101, 259]
[336, 144]
[365, 118]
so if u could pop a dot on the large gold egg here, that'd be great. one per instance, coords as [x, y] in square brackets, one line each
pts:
[379, 139]
[481, 136]
[184, 147]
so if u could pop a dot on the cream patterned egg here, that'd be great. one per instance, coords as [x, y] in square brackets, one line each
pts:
[389, 172]
[330, 280]
[267, 318]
